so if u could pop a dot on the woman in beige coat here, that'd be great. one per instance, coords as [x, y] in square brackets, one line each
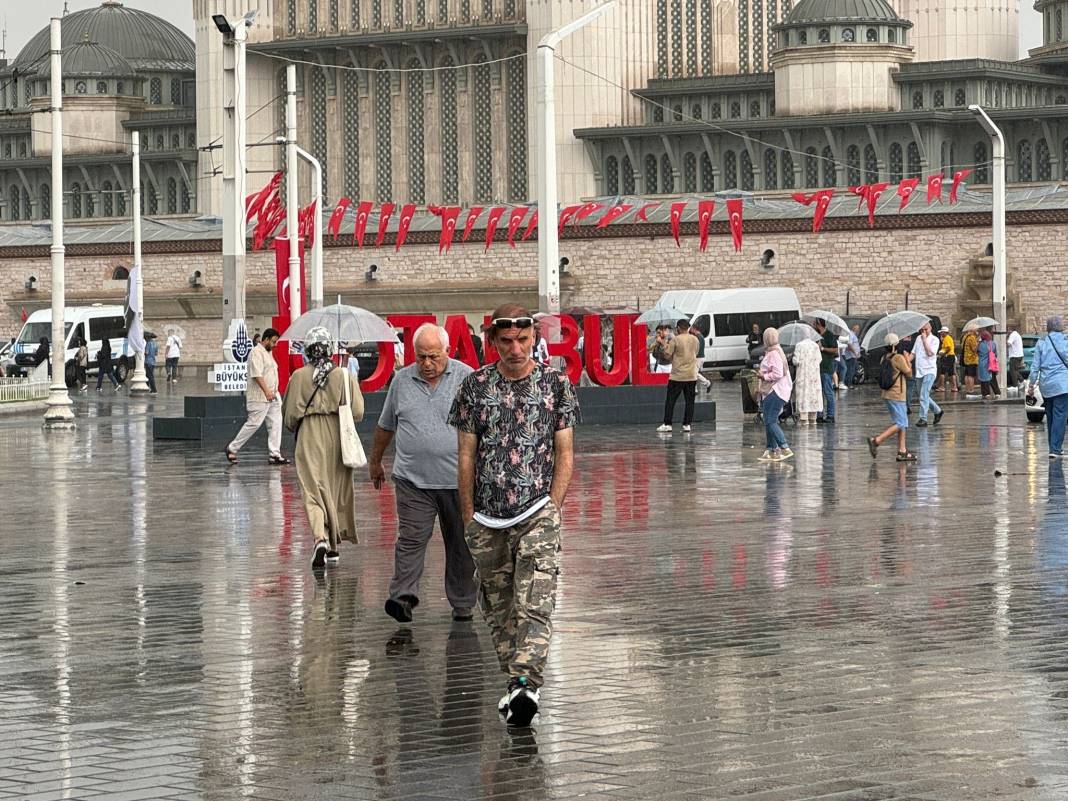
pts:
[314, 398]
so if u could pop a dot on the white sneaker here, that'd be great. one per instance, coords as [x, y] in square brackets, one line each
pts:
[767, 456]
[519, 705]
[686, 429]
[663, 429]
[785, 453]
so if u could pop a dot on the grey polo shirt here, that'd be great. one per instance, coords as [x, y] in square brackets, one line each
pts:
[419, 414]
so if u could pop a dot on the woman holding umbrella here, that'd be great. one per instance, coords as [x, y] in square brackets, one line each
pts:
[988, 365]
[314, 399]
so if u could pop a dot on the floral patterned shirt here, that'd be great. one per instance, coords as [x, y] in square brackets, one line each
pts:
[515, 422]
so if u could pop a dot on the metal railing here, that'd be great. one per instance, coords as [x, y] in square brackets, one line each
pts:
[17, 390]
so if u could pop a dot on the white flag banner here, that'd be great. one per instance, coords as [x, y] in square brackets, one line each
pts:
[131, 290]
[135, 335]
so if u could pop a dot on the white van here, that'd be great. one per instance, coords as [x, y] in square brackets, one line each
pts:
[726, 316]
[91, 323]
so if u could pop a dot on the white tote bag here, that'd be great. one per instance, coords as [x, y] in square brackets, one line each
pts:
[352, 454]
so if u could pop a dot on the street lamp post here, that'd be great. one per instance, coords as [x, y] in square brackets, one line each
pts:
[315, 285]
[139, 385]
[58, 415]
[548, 236]
[292, 204]
[997, 141]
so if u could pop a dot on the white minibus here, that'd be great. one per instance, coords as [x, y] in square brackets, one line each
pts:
[91, 323]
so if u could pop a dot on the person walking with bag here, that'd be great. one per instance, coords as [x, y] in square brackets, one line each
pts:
[988, 365]
[316, 399]
[775, 388]
[104, 366]
[81, 365]
[262, 401]
[894, 371]
[1049, 369]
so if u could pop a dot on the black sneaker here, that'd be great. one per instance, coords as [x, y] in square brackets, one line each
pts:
[519, 704]
[332, 558]
[462, 614]
[938, 417]
[318, 560]
[399, 609]
[921, 423]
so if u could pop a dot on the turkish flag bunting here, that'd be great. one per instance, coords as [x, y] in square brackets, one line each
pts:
[934, 187]
[531, 225]
[491, 224]
[875, 191]
[613, 214]
[823, 202]
[306, 222]
[958, 179]
[566, 214]
[23, 316]
[363, 212]
[449, 215]
[384, 214]
[905, 190]
[269, 220]
[705, 208]
[676, 218]
[407, 212]
[515, 219]
[472, 215]
[734, 213]
[803, 199]
[256, 201]
[861, 192]
[645, 210]
[334, 226]
[586, 211]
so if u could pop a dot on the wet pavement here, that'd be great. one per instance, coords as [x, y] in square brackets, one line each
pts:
[831, 628]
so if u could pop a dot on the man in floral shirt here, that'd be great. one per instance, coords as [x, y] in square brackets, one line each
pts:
[515, 420]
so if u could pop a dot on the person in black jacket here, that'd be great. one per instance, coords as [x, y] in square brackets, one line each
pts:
[104, 365]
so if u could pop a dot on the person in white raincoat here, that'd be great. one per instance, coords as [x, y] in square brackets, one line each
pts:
[808, 393]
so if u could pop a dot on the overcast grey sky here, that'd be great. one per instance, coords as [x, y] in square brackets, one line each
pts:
[24, 19]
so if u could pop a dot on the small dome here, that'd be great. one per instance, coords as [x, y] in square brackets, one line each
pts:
[91, 59]
[810, 12]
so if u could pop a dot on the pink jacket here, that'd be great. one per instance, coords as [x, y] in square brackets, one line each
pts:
[775, 376]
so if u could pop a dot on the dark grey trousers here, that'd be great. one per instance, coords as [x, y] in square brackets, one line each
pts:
[416, 511]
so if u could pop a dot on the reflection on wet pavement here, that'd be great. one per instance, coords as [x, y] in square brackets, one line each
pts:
[830, 628]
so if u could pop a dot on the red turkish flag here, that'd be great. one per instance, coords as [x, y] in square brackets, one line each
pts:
[565, 215]
[934, 187]
[334, 226]
[586, 211]
[645, 210]
[472, 215]
[734, 213]
[823, 202]
[531, 225]
[491, 224]
[255, 202]
[905, 190]
[407, 212]
[363, 212]
[705, 208]
[860, 191]
[23, 316]
[958, 179]
[613, 214]
[449, 215]
[805, 200]
[875, 191]
[306, 222]
[384, 214]
[676, 218]
[515, 219]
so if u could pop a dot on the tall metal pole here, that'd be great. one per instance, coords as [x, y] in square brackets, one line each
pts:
[59, 414]
[545, 113]
[999, 293]
[291, 192]
[234, 175]
[140, 379]
[315, 285]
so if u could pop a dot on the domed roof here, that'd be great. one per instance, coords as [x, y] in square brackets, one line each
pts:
[809, 12]
[144, 40]
[89, 58]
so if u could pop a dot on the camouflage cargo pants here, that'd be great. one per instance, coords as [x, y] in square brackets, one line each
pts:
[517, 569]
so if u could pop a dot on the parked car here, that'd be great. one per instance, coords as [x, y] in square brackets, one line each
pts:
[1029, 342]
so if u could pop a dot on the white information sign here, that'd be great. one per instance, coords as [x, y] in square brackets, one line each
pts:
[229, 377]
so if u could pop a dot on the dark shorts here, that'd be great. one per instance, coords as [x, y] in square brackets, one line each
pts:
[971, 370]
[947, 365]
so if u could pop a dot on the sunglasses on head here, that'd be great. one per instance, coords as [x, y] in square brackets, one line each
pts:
[513, 322]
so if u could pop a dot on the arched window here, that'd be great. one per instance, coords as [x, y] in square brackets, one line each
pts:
[291, 17]
[824, 36]
[787, 164]
[1058, 24]
[155, 91]
[319, 143]
[852, 165]
[652, 174]
[80, 88]
[120, 204]
[420, 12]
[897, 165]
[689, 173]
[416, 156]
[176, 92]
[959, 98]
[383, 134]
[1061, 100]
[982, 169]
[313, 16]
[812, 168]
[695, 112]
[627, 171]
[939, 99]
[676, 113]
[108, 202]
[187, 200]
[730, 170]
[465, 10]
[159, 141]
[443, 10]
[483, 132]
[22, 150]
[176, 142]
[676, 38]
[516, 74]
[334, 15]
[376, 13]
[736, 110]
[871, 35]
[667, 176]
[871, 165]
[90, 203]
[76, 200]
[450, 158]
[120, 87]
[101, 87]
[997, 95]
[153, 200]
[849, 35]
[717, 111]
[1023, 161]
[658, 113]
[754, 109]
[354, 14]
[398, 13]
[27, 212]
[172, 196]
[46, 199]
[891, 36]
[28, 93]
[745, 172]
[708, 180]
[917, 99]
[802, 37]
[16, 213]
[487, 9]
[1043, 168]
[914, 160]
[771, 169]
[191, 141]
[827, 164]
[350, 112]
[611, 176]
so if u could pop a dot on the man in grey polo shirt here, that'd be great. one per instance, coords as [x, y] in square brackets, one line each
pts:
[415, 414]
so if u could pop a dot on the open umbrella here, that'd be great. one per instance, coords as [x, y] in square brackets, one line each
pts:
[902, 323]
[662, 315]
[792, 333]
[835, 324]
[980, 322]
[345, 324]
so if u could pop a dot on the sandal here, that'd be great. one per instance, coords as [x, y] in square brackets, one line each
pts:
[231, 457]
[278, 460]
[906, 456]
[873, 446]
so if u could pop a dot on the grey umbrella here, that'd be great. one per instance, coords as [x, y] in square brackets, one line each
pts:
[902, 323]
[792, 333]
[345, 324]
[835, 324]
[662, 315]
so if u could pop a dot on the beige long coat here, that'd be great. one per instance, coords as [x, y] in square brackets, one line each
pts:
[325, 482]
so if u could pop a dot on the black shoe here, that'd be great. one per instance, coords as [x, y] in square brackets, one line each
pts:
[820, 421]
[921, 423]
[318, 560]
[938, 417]
[520, 703]
[399, 609]
[828, 420]
[332, 558]
[462, 614]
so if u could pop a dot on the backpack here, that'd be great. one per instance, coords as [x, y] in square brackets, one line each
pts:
[888, 375]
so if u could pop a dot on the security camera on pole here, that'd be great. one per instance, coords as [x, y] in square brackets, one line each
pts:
[59, 414]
